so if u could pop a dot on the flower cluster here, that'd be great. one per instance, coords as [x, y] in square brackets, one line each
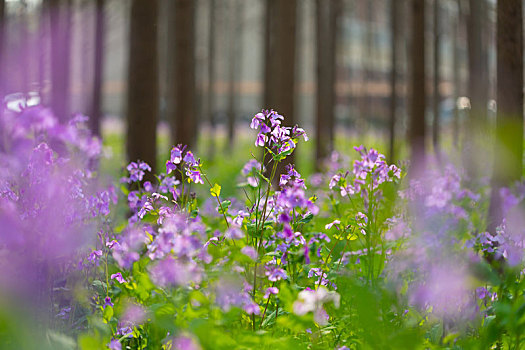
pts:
[278, 139]
[52, 204]
[368, 173]
[185, 162]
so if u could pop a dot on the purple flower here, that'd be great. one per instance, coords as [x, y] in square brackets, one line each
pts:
[334, 181]
[261, 140]
[112, 244]
[95, 256]
[329, 226]
[274, 273]
[114, 344]
[176, 154]
[146, 208]
[195, 176]
[188, 158]
[118, 277]
[170, 166]
[171, 272]
[234, 232]
[270, 291]
[257, 120]
[249, 252]
[64, 313]
[184, 342]
[107, 302]
[482, 292]
[252, 309]
[134, 315]
[313, 301]
[137, 171]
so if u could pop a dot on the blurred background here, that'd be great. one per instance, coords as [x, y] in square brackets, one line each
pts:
[152, 73]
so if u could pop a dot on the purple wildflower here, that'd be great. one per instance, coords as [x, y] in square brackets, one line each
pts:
[118, 277]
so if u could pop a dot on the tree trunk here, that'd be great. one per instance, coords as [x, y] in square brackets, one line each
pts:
[96, 105]
[456, 77]
[2, 52]
[211, 76]
[182, 29]
[25, 66]
[143, 87]
[280, 61]
[393, 79]
[508, 152]
[437, 79]
[417, 104]
[234, 69]
[368, 61]
[477, 88]
[60, 20]
[42, 49]
[326, 28]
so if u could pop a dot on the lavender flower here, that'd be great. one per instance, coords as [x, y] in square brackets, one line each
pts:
[313, 301]
[118, 277]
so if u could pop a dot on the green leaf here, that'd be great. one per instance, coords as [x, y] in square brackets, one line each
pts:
[306, 219]
[108, 313]
[151, 217]
[99, 286]
[124, 189]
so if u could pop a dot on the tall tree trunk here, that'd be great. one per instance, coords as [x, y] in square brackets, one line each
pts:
[326, 28]
[368, 61]
[2, 52]
[234, 69]
[25, 66]
[60, 20]
[455, 74]
[437, 78]
[393, 78]
[42, 49]
[477, 92]
[143, 87]
[182, 29]
[417, 104]
[96, 105]
[269, 12]
[211, 75]
[280, 61]
[508, 152]
[477, 87]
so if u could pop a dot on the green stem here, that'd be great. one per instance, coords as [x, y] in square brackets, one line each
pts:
[266, 307]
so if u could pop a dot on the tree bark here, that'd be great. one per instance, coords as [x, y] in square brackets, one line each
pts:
[326, 30]
[211, 76]
[60, 21]
[437, 79]
[456, 77]
[393, 78]
[234, 69]
[96, 105]
[280, 62]
[477, 89]
[2, 52]
[508, 152]
[418, 91]
[182, 29]
[143, 87]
